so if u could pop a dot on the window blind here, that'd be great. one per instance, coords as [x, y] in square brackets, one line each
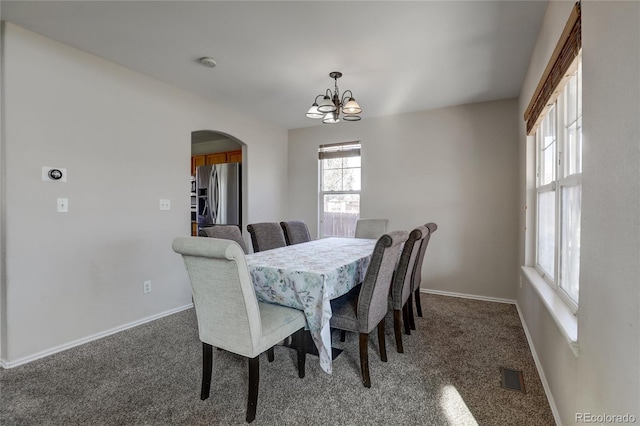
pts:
[559, 69]
[339, 150]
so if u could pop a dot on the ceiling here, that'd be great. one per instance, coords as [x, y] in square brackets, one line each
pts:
[274, 57]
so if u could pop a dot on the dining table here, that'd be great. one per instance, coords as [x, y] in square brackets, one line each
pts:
[307, 276]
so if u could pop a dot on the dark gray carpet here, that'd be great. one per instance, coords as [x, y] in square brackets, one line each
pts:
[150, 375]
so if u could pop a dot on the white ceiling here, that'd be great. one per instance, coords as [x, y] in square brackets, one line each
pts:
[274, 57]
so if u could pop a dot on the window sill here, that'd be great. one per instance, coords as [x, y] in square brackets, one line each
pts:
[560, 312]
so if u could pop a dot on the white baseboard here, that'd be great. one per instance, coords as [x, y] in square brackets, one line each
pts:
[543, 379]
[536, 360]
[468, 296]
[10, 364]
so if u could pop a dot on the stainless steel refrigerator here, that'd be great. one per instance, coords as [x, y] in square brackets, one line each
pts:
[218, 195]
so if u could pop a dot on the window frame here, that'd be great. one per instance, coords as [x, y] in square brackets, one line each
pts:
[561, 179]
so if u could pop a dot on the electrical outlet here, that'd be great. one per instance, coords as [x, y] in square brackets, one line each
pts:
[146, 287]
[165, 204]
[520, 281]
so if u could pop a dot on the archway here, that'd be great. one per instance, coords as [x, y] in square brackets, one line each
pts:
[208, 148]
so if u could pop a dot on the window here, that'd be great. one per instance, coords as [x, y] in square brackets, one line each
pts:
[339, 166]
[554, 116]
[558, 188]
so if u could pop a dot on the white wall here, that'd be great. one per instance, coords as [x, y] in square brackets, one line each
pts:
[126, 142]
[605, 377]
[454, 166]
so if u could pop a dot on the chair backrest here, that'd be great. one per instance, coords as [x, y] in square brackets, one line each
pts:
[226, 304]
[374, 293]
[225, 232]
[416, 277]
[295, 232]
[371, 228]
[266, 236]
[401, 287]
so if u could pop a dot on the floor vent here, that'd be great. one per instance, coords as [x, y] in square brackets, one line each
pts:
[512, 379]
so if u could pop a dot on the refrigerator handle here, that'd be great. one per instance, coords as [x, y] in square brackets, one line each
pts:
[214, 197]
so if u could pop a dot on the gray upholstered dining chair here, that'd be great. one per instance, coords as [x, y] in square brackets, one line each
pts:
[266, 236]
[416, 278]
[371, 228]
[363, 311]
[401, 286]
[295, 232]
[225, 232]
[230, 317]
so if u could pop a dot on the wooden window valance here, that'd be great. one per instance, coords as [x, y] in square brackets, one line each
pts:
[560, 67]
[339, 150]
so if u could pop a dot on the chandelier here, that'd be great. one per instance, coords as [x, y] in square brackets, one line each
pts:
[332, 105]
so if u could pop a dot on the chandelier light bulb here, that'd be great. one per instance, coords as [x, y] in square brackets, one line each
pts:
[331, 118]
[326, 105]
[313, 112]
[352, 107]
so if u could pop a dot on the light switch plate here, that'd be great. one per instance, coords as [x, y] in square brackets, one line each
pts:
[63, 205]
[165, 204]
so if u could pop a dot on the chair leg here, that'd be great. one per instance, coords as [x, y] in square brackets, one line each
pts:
[412, 323]
[418, 305]
[343, 335]
[207, 361]
[254, 381]
[405, 318]
[301, 343]
[406, 314]
[270, 354]
[364, 359]
[381, 341]
[397, 330]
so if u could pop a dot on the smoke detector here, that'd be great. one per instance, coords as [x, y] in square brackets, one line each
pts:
[207, 62]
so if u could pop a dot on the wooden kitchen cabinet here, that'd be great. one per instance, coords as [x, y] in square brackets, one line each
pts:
[197, 161]
[201, 160]
[217, 158]
[234, 156]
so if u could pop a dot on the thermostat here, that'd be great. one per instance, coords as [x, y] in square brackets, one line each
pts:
[55, 174]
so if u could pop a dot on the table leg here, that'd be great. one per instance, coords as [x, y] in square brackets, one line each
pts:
[311, 346]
